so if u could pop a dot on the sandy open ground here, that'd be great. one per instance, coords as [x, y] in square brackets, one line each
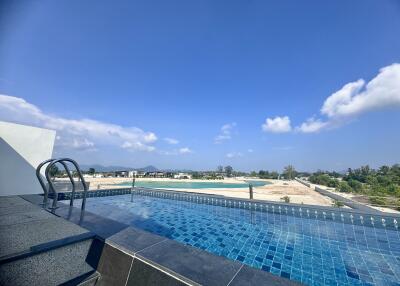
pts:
[297, 192]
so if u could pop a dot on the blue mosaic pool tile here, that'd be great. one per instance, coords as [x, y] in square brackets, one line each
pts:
[303, 248]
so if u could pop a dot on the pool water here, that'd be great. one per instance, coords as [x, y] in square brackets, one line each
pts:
[193, 185]
[311, 251]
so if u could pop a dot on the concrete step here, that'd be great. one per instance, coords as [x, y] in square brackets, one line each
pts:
[39, 248]
[70, 264]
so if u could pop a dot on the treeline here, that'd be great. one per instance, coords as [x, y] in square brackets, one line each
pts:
[384, 181]
[219, 174]
[265, 174]
[289, 173]
[324, 179]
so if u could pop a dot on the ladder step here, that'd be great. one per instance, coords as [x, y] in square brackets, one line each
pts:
[40, 248]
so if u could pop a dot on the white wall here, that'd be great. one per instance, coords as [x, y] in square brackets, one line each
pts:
[22, 148]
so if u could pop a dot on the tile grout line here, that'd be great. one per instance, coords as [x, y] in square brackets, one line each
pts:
[116, 246]
[129, 273]
[234, 276]
[151, 264]
[150, 246]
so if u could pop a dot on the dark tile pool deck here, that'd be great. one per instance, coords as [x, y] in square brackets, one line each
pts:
[23, 225]
[33, 240]
[139, 257]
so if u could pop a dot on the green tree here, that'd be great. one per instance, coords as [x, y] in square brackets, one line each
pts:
[384, 170]
[355, 185]
[274, 175]
[344, 187]
[228, 171]
[54, 171]
[333, 183]
[381, 185]
[289, 172]
[337, 203]
[197, 175]
[92, 171]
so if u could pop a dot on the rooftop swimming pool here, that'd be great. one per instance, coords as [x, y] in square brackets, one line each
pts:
[194, 185]
[312, 246]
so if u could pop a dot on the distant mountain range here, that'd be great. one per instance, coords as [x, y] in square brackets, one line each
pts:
[101, 168]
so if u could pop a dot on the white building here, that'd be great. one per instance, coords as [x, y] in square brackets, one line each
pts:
[133, 174]
[22, 148]
[182, 176]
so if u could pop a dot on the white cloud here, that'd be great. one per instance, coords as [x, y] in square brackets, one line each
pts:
[76, 143]
[341, 97]
[137, 146]
[76, 133]
[277, 125]
[175, 152]
[171, 141]
[185, 150]
[226, 133]
[250, 150]
[234, 154]
[312, 125]
[356, 98]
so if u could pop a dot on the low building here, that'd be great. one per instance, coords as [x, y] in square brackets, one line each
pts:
[182, 176]
[150, 174]
[155, 174]
[108, 174]
[160, 175]
[136, 174]
[140, 175]
[133, 174]
[121, 174]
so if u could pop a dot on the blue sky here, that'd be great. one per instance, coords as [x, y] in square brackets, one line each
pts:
[195, 84]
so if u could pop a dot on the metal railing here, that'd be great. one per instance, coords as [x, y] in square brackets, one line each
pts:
[42, 183]
[132, 188]
[51, 187]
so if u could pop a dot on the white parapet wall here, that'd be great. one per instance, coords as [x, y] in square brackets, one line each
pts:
[22, 148]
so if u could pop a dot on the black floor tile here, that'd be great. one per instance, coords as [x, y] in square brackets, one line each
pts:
[143, 274]
[133, 239]
[114, 267]
[194, 264]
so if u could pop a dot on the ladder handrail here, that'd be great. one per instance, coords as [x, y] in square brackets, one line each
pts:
[44, 187]
[51, 185]
[42, 184]
[132, 188]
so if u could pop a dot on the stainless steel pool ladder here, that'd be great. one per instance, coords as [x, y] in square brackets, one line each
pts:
[51, 163]
[42, 183]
